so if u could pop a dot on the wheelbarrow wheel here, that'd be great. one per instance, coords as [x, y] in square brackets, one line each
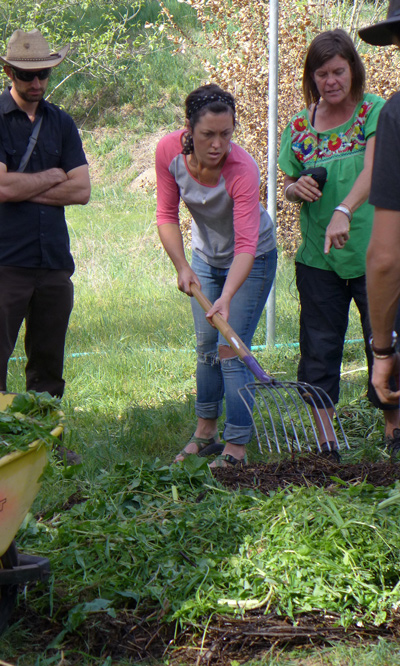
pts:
[8, 593]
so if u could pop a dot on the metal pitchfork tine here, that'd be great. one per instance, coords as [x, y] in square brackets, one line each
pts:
[292, 402]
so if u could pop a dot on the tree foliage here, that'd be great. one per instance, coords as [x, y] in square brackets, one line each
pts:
[107, 40]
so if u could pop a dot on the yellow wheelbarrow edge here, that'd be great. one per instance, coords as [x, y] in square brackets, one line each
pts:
[20, 472]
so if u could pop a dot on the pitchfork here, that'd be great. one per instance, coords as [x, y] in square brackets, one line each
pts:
[289, 402]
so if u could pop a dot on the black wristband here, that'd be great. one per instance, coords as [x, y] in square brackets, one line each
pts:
[384, 352]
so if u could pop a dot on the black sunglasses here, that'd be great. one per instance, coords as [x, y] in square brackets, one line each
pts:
[29, 75]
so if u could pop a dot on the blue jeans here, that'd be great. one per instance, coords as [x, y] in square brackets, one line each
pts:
[215, 378]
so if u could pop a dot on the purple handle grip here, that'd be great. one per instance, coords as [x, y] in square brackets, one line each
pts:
[257, 370]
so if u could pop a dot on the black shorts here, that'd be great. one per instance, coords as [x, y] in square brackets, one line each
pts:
[325, 302]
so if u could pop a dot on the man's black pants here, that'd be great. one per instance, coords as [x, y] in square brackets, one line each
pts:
[44, 298]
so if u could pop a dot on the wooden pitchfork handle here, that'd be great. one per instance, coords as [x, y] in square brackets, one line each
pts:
[229, 334]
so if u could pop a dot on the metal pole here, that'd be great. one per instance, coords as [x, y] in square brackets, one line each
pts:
[272, 148]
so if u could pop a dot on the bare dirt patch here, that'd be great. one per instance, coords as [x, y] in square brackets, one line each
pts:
[142, 152]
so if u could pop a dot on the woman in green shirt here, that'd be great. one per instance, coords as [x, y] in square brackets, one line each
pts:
[336, 131]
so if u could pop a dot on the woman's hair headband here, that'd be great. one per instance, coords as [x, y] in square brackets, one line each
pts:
[198, 103]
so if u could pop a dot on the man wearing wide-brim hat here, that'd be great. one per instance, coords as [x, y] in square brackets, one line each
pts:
[383, 257]
[42, 169]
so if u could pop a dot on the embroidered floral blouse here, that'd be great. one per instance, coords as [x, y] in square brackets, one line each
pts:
[341, 151]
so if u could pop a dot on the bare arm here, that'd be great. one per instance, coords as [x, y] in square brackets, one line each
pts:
[74, 190]
[171, 238]
[383, 286]
[383, 274]
[338, 230]
[16, 186]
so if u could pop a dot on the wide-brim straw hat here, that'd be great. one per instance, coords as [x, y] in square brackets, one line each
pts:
[381, 33]
[29, 50]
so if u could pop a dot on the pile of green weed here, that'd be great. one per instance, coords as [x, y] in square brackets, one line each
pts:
[30, 417]
[170, 538]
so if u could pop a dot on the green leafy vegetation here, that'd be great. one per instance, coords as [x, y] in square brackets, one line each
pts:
[169, 537]
[170, 540]
[30, 417]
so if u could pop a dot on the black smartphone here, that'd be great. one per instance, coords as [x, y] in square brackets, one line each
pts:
[319, 174]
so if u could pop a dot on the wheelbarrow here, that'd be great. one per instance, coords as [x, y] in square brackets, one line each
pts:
[20, 473]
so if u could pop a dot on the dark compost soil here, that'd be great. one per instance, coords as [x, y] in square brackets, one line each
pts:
[147, 638]
[311, 470]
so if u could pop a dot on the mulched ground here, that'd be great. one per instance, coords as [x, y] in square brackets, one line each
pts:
[241, 640]
[147, 638]
[226, 639]
[310, 470]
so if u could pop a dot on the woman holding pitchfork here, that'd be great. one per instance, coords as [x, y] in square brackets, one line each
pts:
[233, 259]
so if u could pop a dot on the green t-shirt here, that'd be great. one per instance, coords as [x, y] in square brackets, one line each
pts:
[341, 151]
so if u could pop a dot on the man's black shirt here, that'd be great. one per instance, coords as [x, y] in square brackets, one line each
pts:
[35, 235]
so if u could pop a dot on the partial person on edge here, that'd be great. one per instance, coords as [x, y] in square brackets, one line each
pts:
[42, 169]
[383, 256]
